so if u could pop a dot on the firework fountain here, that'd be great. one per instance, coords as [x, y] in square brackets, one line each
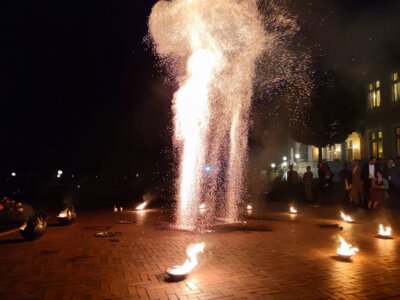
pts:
[211, 47]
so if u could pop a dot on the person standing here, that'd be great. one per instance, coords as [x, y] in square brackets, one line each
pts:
[378, 192]
[368, 173]
[356, 191]
[327, 183]
[345, 182]
[393, 176]
[292, 180]
[308, 184]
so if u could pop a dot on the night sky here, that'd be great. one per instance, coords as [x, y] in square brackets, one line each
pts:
[80, 89]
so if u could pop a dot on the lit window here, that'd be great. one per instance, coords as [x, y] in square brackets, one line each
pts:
[353, 147]
[395, 87]
[398, 141]
[376, 144]
[374, 95]
[335, 152]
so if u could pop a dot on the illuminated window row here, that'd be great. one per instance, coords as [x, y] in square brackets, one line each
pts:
[374, 91]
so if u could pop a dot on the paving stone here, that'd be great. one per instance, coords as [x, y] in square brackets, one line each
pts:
[294, 259]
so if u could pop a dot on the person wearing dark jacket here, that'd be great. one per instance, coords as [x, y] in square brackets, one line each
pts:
[368, 174]
[345, 183]
[393, 177]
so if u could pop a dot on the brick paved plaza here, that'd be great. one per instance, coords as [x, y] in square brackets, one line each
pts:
[274, 256]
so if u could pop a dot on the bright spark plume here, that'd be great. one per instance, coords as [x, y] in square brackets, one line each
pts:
[213, 48]
[214, 45]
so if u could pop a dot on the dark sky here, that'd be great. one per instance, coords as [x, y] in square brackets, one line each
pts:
[79, 89]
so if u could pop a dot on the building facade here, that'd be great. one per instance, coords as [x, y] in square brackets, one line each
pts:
[381, 137]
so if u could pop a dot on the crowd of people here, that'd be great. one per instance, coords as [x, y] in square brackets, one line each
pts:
[366, 185]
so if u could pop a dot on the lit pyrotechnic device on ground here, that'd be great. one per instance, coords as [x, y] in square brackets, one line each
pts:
[180, 272]
[385, 232]
[249, 207]
[346, 218]
[34, 228]
[67, 216]
[141, 206]
[293, 210]
[346, 250]
[202, 206]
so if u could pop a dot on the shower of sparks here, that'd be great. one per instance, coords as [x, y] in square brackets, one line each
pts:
[212, 48]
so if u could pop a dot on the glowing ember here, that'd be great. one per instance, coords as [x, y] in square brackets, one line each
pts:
[293, 210]
[141, 206]
[63, 214]
[346, 218]
[202, 206]
[190, 263]
[346, 249]
[249, 207]
[385, 231]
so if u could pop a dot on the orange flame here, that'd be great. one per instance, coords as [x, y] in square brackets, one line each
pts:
[191, 262]
[141, 206]
[249, 207]
[293, 210]
[346, 249]
[385, 231]
[63, 214]
[346, 218]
